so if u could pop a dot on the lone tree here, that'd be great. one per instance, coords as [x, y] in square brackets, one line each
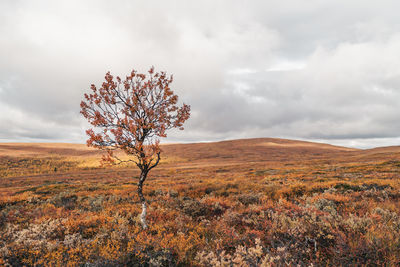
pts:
[130, 115]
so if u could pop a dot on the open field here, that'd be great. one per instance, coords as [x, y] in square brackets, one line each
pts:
[242, 203]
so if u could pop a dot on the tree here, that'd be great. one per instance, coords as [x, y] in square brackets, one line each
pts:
[130, 115]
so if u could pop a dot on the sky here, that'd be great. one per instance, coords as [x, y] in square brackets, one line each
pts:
[318, 70]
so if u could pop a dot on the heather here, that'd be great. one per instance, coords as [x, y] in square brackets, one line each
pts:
[257, 202]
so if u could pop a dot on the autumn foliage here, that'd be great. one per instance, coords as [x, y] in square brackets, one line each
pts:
[259, 202]
[131, 115]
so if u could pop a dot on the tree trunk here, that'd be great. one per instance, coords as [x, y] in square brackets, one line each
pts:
[142, 178]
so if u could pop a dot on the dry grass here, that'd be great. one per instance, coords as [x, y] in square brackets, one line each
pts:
[243, 202]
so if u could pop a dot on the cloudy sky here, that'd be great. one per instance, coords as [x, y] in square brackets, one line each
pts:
[322, 70]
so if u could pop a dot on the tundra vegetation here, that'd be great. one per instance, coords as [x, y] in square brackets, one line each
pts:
[256, 202]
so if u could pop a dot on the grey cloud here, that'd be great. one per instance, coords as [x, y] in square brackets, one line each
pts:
[320, 70]
[347, 92]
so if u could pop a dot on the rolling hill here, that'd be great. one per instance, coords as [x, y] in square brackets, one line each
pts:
[266, 148]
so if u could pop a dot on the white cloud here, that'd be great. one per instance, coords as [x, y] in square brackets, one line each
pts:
[300, 69]
[286, 65]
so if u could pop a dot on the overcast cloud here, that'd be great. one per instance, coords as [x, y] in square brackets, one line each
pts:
[304, 69]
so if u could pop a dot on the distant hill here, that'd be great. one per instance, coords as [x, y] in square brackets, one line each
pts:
[69, 149]
[44, 149]
[241, 150]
